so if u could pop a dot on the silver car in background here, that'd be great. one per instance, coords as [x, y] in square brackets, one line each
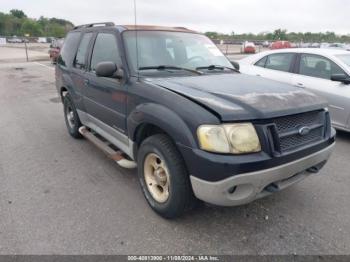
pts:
[325, 72]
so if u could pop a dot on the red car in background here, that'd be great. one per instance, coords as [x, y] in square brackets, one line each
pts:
[248, 48]
[280, 45]
[55, 49]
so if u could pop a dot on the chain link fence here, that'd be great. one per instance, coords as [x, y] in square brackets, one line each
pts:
[234, 47]
[37, 48]
[20, 49]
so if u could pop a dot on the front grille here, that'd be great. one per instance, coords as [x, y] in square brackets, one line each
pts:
[288, 123]
[288, 127]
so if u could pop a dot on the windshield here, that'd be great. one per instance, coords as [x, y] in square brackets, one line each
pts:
[185, 50]
[345, 58]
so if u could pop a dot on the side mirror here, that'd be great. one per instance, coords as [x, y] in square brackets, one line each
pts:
[341, 78]
[235, 65]
[51, 46]
[106, 69]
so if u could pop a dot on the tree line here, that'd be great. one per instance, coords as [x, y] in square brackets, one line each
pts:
[282, 34]
[17, 23]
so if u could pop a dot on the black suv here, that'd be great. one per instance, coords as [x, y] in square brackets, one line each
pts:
[167, 100]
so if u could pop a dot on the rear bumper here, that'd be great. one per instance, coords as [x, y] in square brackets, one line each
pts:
[249, 50]
[244, 188]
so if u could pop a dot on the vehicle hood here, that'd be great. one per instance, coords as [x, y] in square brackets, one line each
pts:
[242, 97]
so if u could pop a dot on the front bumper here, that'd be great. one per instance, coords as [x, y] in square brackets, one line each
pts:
[244, 188]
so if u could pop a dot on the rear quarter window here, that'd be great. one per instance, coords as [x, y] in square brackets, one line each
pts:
[261, 62]
[80, 58]
[69, 49]
[280, 61]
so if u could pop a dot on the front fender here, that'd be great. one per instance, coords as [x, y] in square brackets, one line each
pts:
[165, 119]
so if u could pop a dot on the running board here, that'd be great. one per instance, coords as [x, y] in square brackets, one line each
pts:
[117, 156]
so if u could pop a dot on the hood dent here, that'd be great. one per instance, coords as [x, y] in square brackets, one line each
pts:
[242, 97]
[263, 101]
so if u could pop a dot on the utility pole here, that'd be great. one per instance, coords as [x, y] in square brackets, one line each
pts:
[25, 46]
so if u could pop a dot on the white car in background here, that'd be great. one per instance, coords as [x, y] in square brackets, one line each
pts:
[42, 40]
[14, 40]
[325, 72]
[324, 45]
[337, 46]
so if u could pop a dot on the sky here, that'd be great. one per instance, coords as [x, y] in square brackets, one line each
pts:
[239, 16]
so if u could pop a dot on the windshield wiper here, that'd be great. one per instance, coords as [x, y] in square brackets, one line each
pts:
[213, 67]
[165, 67]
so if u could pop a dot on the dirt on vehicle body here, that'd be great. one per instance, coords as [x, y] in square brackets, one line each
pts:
[167, 100]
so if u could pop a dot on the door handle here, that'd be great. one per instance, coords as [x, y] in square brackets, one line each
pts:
[258, 75]
[300, 85]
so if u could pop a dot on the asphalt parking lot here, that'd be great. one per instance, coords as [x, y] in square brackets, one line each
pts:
[64, 196]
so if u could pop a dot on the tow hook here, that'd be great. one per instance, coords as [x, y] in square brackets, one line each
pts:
[272, 188]
[316, 168]
[313, 169]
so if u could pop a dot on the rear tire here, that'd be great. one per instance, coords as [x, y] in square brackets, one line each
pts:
[163, 177]
[71, 117]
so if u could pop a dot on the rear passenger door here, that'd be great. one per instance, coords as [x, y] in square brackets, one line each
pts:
[105, 98]
[276, 67]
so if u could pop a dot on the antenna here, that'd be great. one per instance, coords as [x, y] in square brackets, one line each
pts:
[136, 41]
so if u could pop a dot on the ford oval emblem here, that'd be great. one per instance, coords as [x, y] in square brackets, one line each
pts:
[304, 130]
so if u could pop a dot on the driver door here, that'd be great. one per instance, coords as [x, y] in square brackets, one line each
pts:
[106, 97]
[314, 74]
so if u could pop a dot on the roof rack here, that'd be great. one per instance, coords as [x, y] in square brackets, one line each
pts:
[95, 24]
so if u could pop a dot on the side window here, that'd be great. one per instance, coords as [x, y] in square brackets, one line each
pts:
[70, 45]
[261, 62]
[79, 61]
[318, 66]
[280, 62]
[105, 49]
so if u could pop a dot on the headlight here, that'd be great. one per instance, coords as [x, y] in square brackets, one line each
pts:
[213, 138]
[231, 138]
[243, 138]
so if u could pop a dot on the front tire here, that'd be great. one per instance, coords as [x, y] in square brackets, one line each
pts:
[163, 177]
[71, 117]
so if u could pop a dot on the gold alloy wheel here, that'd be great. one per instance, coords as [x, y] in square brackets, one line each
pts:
[157, 178]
